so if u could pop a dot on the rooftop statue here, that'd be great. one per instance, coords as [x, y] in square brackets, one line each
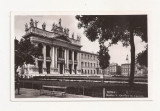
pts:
[31, 23]
[78, 38]
[36, 23]
[60, 22]
[66, 31]
[73, 35]
[60, 29]
[26, 27]
[54, 27]
[44, 26]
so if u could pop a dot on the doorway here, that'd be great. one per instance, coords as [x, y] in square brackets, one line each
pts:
[70, 68]
[61, 68]
[75, 69]
[48, 67]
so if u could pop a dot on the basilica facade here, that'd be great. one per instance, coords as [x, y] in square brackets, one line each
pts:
[61, 55]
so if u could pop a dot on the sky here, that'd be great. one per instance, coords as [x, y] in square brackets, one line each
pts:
[117, 52]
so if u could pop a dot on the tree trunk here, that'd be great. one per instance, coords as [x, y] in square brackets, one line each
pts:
[16, 67]
[131, 79]
[17, 83]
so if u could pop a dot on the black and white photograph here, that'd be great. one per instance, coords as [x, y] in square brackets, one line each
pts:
[80, 56]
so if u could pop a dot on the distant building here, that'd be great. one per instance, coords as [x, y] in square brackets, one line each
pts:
[90, 63]
[139, 70]
[125, 69]
[113, 69]
[106, 71]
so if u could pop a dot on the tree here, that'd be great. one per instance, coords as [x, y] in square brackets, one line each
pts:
[115, 28]
[25, 52]
[142, 58]
[103, 57]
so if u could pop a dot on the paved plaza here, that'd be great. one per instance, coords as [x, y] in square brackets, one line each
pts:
[34, 93]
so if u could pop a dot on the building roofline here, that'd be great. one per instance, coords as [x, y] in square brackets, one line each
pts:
[126, 64]
[53, 38]
[88, 52]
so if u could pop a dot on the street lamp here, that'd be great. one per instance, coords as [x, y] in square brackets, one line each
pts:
[127, 59]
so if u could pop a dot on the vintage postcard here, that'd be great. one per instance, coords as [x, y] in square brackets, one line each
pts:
[66, 56]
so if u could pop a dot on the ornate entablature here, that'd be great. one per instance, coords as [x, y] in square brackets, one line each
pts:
[57, 32]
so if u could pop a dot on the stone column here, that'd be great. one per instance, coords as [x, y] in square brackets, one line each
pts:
[79, 63]
[44, 59]
[66, 61]
[58, 68]
[55, 60]
[73, 62]
[36, 66]
[52, 59]
[36, 62]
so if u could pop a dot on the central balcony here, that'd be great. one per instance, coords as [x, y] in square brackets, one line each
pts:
[48, 58]
[61, 60]
[75, 62]
[70, 61]
[40, 57]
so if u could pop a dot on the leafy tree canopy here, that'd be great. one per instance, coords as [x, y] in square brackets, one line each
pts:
[113, 27]
[103, 57]
[142, 58]
[25, 52]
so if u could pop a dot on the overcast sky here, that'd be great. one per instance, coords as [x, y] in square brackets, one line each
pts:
[117, 52]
